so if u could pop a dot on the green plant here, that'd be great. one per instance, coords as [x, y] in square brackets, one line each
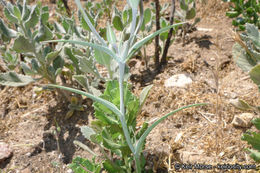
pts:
[243, 12]
[164, 40]
[117, 112]
[253, 138]
[246, 53]
[27, 43]
[187, 12]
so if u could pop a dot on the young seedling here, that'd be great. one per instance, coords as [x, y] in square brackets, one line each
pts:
[117, 111]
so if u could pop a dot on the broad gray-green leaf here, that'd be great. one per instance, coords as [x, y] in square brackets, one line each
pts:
[191, 14]
[143, 41]
[102, 58]
[52, 55]
[117, 23]
[33, 18]
[14, 79]
[44, 33]
[87, 132]
[86, 65]
[242, 59]
[17, 13]
[82, 80]
[9, 33]
[183, 5]
[92, 28]
[106, 103]
[241, 104]
[85, 147]
[59, 28]
[111, 36]
[27, 70]
[10, 16]
[254, 154]
[253, 33]
[140, 142]
[147, 15]
[255, 74]
[144, 95]
[85, 24]
[95, 46]
[23, 45]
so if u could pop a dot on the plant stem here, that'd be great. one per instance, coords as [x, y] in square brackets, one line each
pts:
[122, 106]
[168, 41]
[157, 46]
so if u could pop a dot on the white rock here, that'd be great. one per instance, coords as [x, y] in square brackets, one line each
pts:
[179, 80]
[5, 151]
[243, 120]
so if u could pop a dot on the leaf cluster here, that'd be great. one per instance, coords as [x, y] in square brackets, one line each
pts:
[243, 12]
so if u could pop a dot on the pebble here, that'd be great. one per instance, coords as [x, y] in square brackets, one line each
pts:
[179, 80]
[5, 152]
[243, 120]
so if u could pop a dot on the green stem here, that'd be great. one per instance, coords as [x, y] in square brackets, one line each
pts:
[122, 106]
[137, 163]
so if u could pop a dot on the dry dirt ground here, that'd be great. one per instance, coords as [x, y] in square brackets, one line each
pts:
[197, 135]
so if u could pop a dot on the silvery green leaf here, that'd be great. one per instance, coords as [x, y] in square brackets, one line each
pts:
[184, 5]
[253, 33]
[58, 71]
[82, 80]
[25, 12]
[144, 95]
[44, 33]
[140, 43]
[147, 15]
[14, 79]
[84, 24]
[102, 58]
[92, 28]
[191, 14]
[59, 28]
[117, 23]
[133, 3]
[86, 65]
[10, 16]
[23, 45]
[255, 74]
[245, 62]
[33, 19]
[95, 46]
[111, 36]
[106, 103]
[240, 104]
[52, 55]
[87, 132]
[58, 62]
[17, 13]
[9, 33]
[27, 70]
[140, 142]
[95, 91]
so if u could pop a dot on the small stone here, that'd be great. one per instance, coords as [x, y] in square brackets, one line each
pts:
[243, 120]
[5, 152]
[179, 80]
